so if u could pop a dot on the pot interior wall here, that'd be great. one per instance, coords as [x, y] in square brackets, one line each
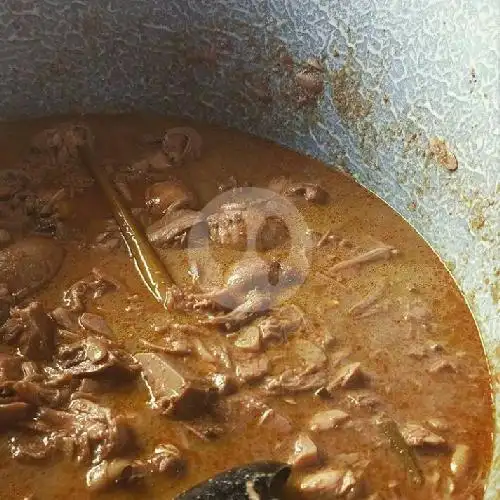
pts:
[396, 96]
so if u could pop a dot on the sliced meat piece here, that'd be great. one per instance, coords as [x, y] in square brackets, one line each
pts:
[418, 435]
[173, 228]
[166, 459]
[363, 399]
[117, 472]
[10, 367]
[242, 226]
[253, 369]
[272, 419]
[38, 395]
[91, 287]
[249, 340]
[96, 324]
[312, 355]
[94, 357]
[328, 419]
[13, 413]
[348, 377]
[292, 381]
[31, 330]
[282, 322]
[173, 389]
[66, 318]
[329, 483]
[169, 196]
[29, 264]
[305, 453]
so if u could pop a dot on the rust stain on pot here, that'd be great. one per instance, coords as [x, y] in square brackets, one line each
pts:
[439, 151]
[350, 103]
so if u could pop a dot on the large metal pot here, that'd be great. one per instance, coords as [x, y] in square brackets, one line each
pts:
[402, 95]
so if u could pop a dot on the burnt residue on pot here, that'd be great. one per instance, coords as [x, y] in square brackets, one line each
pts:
[438, 150]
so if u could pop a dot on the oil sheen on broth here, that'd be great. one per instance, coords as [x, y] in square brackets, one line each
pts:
[377, 330]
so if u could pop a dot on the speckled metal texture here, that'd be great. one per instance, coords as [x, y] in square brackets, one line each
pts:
[398, 77]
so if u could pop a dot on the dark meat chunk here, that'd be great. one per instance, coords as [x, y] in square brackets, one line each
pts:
[38, 395]
[348, 377]
[10, 367]
[363, 399]
[253, 369]
[116, 472]
[166, 459]
[305, 453]
[93, 286]
[244, 226]
[281, 323]
[97, 357]
[15, 412]
[417, 435]
[169, 196]
[173, 389]
[66, 318]
[96, 324]
[180, 143]
[330, 483]
[32, 330]
[173, 228]
[96, 433]
[28, 265]
[292, 380]
[250, 289]
[308, 190]
[60, 145]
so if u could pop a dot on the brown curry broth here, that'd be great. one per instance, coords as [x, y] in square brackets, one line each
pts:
[381, 342]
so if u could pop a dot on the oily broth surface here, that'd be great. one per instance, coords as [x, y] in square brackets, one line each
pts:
[381, 342]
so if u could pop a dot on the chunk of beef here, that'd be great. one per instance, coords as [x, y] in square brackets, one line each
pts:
[363, 399]
[418, 435]
[224, 383]
[347, 377]
[281, 323]
[293, 380]
[253, 369]
[249, 340]
[180, 143]
[328, 419]
[10, 367]
[169, 196]
[312, 355]
[173, 228]
[31, 330]
[37, 394]
[66, 319]
[60, 145]
[242, 226]
[96, 324]
[29, 264]
[176, 391]
[13, 413]
[329, 483]
[305, 453]
[308, 190]
[93, 286]
[96, 357]
[116, 472]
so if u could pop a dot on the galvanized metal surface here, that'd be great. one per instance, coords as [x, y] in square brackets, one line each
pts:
[409, 91]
